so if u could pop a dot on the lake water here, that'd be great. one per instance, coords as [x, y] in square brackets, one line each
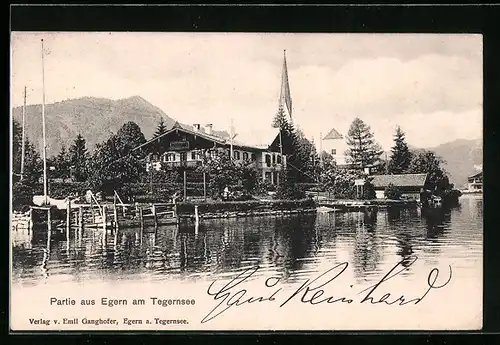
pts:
[295, 247]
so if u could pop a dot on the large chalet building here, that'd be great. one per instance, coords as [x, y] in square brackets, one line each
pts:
[184, 147]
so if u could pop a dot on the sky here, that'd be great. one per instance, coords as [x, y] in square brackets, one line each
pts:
[429, 84]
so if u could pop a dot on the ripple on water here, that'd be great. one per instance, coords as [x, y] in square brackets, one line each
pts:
[296, 247]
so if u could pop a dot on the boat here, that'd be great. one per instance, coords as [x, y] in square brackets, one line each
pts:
[325, 209]
[60, 204]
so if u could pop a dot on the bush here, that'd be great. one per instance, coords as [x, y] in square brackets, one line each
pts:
[290, 190]
[392, 192]
[61, 190]
[369, 191]
[22, 196]
[451, 196]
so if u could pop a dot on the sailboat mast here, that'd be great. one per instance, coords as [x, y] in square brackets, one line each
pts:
[23, 149]
[231, 138]
[43, 131]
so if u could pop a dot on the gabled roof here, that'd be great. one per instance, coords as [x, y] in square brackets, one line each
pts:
[476, 174]
[178, 126]
[217, 136]
[401, 180]
[333, 134]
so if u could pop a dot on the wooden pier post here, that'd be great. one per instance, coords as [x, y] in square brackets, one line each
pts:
[153, 209]
[204, 186]
[104, 220]
[80, 217]
[185, 194]
[30, 221]
[196, 219]
[176, 213]
[68, 219]
[141, 220]
[115, 215]
[92, 210]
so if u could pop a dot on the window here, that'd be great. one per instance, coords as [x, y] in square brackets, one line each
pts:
[334, 151]
[245, 156]
[165, 157]
[170, 157]
[268, 159]
[278, 158]
[193, 155]
[274, 158]
[253, 157]
[236, 155]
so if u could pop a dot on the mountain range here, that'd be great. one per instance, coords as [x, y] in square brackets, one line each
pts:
[97, 118]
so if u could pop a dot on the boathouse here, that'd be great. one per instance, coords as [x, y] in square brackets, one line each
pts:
[475, 182]
[410, 185]
[185, 147]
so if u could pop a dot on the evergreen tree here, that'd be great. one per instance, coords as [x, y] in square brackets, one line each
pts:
[62, 163]
[128, 137]
[400, 156]
[16, 148]
[162, 128]
[33, 167]
[78, 159]
[363, 149]
[298, 150]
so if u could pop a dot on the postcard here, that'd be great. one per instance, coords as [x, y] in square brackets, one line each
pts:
[246, 181]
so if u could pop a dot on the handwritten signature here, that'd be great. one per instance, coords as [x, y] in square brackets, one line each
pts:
[312, 291]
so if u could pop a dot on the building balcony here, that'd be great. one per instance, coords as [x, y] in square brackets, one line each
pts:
[174, 165]
[182, 164]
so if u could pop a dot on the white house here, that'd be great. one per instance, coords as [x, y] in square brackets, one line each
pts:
[335, 144]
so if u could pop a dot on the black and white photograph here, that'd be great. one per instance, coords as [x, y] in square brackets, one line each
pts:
[175, 181]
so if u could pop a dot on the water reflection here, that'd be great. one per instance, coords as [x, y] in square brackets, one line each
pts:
[295, 246]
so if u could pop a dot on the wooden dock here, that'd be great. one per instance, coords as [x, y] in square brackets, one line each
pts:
[363, 205]
[95, 215]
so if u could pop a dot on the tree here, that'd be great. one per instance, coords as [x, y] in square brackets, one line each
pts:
[162, 128]
[363, 149]
[63, 163]
[327, 159]
[78, 159]
[224, 172]
[112, 165]
[427, 162]
[369, 190]
[392, 192]
[16, 147]
[340, 182]
[400, 154]
[33, 167]
[128, 137]
[298, 150]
